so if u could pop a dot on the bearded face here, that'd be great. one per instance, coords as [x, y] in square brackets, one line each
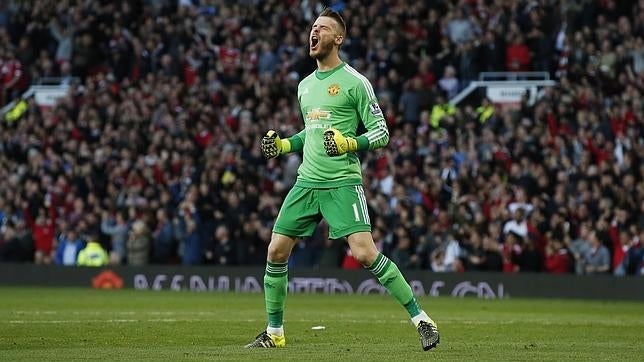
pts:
[321, 48]
[322, 38]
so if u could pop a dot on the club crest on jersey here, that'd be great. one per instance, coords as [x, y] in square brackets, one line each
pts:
[334, 89]
[375, 109]
[317, 114]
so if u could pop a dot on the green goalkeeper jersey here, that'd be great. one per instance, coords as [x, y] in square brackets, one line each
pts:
[339, 98]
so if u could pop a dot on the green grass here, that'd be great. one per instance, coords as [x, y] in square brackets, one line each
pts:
[82, 324]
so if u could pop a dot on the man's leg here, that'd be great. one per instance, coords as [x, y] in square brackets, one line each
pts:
[276, 281]
[364, 250]
[298, 217]
[387, 272]
[275, 289]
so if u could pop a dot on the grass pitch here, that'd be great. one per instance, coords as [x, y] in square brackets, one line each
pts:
[82, 324]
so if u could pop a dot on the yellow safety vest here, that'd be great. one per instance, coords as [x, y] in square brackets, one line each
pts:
[16, 112]
[439, 111]
[484, 113]
[92, 255]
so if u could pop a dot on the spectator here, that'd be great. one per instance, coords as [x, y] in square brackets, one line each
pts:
[138, 244]
[557, 258]
[403, 255]
[597, 258]
[475, 254]
[64, 35]
[467, 65]
[459, 28]
[441, 113]
[117, 229]
[16, 244]
[12, 75]
[621, 245]
[580, 247]
[491, 53]
[530, 259]
[187, 224]
[268, 61]
[410, 101]
[224, 251]
[163, 241]
[449, 84]
[634, 260]
[518, 224]
[446, 258]
[512, 249]
[332, 254]
[493, 260]
[92, 255]
[43, 231]
[67, 248]
[517, 55]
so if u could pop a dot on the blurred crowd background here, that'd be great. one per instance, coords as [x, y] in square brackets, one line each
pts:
[153, 156]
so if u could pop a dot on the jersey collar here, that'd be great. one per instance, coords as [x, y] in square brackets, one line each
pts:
[323, 75]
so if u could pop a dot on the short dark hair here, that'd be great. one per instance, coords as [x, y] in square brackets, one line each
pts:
[328, 12]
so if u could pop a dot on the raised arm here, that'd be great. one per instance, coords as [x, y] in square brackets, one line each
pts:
[367, 108]
[377, 134]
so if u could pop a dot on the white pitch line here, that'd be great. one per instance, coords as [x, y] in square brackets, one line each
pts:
[172, 320]
[197, 316]
[64, 321]
[129, 312]
[344, 321]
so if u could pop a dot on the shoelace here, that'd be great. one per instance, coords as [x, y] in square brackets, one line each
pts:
[265, 340]
[428, 329]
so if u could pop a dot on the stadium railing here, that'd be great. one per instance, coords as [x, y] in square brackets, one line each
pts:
[506, 87]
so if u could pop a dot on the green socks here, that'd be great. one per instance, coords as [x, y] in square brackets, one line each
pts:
[276, 284]
[391, 278]
[275, 287]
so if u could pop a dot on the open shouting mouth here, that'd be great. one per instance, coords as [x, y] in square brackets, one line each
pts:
[315, 40]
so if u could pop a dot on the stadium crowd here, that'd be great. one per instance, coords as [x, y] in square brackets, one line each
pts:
[153, 156]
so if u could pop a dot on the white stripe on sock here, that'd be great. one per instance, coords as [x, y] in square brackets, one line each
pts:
[380, 265]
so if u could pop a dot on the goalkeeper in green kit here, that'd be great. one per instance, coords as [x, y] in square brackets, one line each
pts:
[333, 100]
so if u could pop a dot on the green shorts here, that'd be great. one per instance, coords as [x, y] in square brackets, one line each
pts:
[343, 208]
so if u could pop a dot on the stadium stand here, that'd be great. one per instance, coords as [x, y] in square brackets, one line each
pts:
[154, 150]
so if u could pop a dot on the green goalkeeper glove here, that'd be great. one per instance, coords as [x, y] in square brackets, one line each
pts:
[335, 144]
[272, 146]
